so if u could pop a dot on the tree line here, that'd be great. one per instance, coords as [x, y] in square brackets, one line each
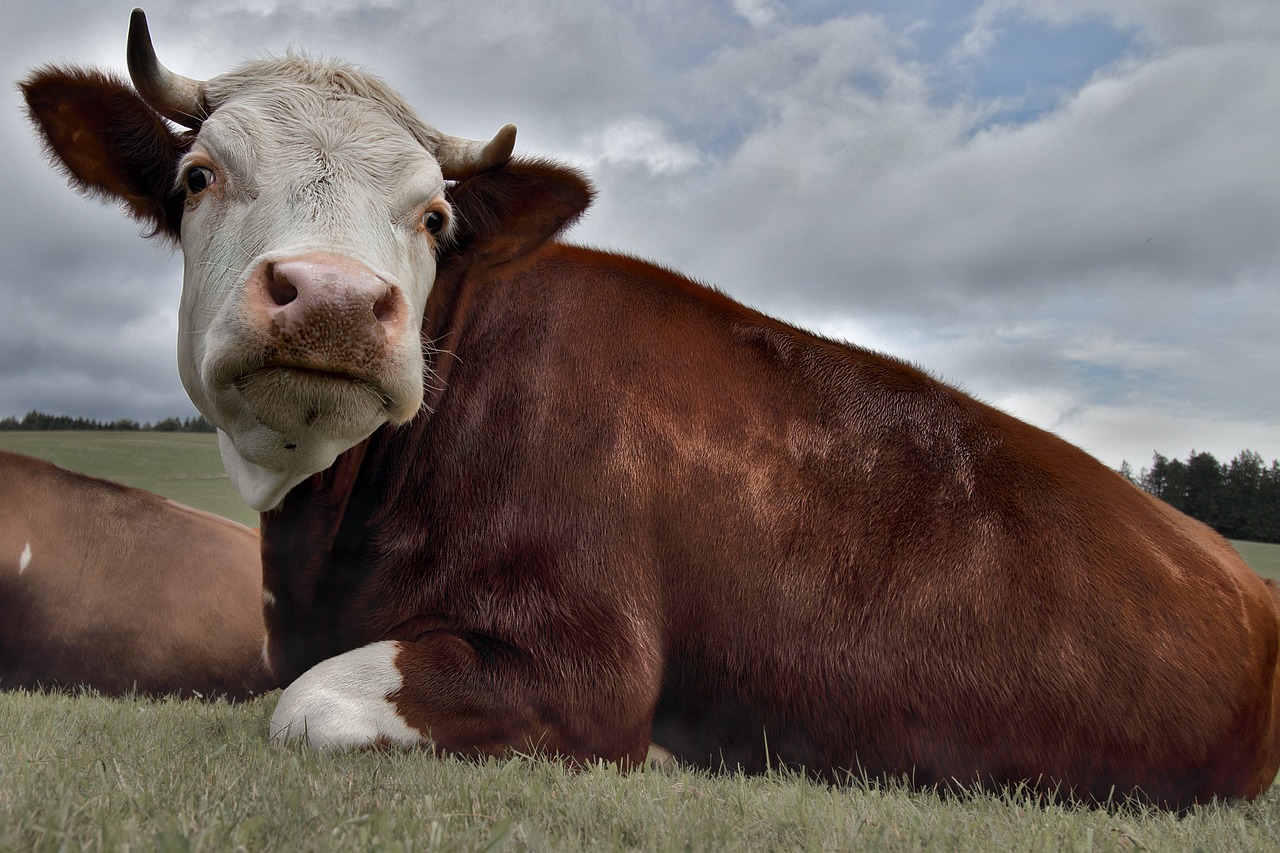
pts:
[1240, 499]
[42, 421]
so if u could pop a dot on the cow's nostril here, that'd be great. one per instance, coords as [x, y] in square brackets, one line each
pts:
[281, 290]
[387, 309]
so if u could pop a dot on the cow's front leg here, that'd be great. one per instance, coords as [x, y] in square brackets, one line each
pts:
[346, 702]
[437, 692]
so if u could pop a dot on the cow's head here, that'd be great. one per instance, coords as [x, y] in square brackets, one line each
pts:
[309, 201]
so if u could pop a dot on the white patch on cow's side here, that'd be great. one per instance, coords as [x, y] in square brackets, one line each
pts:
[24, 559]
[341, 703]
[268, 598]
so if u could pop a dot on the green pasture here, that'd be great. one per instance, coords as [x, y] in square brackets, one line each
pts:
[1262, 557]
[79, 772]
[182, 466]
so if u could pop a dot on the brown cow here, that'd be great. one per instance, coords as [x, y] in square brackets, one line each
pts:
[640, 510]
[118, 589]
[633, 509]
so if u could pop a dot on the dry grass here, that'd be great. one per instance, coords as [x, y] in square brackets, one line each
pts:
[82, 772]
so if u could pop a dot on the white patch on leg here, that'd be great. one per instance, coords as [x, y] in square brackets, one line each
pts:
[341, 703]
[24, 559]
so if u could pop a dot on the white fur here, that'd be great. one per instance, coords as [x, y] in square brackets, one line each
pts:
[341, 703]
[347, 175]
[263, 486]
[24, 559]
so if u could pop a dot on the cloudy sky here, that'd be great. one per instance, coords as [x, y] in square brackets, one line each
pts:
[1069, 209]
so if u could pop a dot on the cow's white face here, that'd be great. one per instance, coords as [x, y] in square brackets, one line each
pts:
[309, 237]
[309, 200]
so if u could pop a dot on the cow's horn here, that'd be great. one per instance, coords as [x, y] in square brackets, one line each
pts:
[175, 97]
[461, 158]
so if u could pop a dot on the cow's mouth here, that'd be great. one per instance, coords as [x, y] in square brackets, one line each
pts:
[293, 400]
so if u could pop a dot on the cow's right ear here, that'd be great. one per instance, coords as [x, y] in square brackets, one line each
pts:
[507, 213]
[109, 142]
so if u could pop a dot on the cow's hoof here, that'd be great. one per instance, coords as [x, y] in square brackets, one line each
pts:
[342, 704]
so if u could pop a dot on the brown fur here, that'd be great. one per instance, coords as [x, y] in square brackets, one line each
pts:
[639, 510]
[125, 590]
[109, 142]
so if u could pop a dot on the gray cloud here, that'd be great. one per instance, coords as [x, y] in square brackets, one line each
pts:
[1104, 263]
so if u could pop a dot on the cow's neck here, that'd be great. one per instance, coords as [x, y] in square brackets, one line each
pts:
[314, 544]
[305, 566]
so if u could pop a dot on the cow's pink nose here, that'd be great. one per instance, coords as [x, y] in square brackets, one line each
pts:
[327, 313]
[324, 290]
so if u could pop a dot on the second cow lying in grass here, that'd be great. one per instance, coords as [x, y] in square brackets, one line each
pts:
[120, 590]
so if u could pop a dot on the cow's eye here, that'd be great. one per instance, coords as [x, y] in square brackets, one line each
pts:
[199, 179]
[433, 221]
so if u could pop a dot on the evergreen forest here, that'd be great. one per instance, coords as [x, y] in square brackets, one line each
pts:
[1240, 499]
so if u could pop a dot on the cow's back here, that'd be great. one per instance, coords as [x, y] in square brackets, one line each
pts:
[118, 589]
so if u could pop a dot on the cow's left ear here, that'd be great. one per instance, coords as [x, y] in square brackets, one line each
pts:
[109, 142]
[507, 213]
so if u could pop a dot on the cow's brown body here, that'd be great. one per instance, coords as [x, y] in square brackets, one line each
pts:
[118, 589]
[639, 509]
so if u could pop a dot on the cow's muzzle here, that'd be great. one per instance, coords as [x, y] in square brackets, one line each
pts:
[332, 338]
[326, 313]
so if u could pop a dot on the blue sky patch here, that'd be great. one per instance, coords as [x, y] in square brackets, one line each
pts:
[1034, 64]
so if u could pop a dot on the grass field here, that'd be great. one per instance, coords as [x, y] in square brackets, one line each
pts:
[183, 466]
[1262, 557]
[82, 772]
[87, 773]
